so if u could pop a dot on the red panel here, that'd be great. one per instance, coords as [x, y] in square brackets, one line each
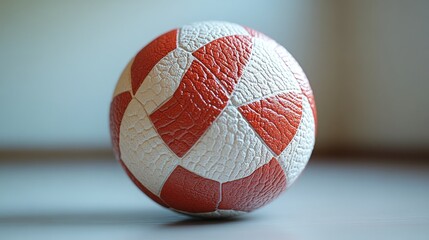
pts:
[186, 191]
[150, 55]
[300, 77]
[256, 190]
[141, 187]
[196, 103]
[275, 119]
[226, 57]
[117, 109]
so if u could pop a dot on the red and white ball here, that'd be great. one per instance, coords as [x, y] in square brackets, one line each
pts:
[213, 119]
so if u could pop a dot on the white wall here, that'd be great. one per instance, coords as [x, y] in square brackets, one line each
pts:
[385, 74]
[367, 62]
[59, 60]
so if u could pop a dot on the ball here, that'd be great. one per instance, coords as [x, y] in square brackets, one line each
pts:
[213, 119]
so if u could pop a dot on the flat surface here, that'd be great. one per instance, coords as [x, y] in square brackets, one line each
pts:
[94, 199]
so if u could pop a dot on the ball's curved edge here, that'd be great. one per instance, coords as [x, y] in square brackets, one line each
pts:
[218, 214]
[185, 44]
[142, 187]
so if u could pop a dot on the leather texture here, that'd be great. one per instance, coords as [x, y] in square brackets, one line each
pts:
[275, 119]
[229, 150]
[149, 56]
[226, 58]
[189, 192]
[183, 119]
[265, 75]
[254, 191]
[117, 110]
[213, 119]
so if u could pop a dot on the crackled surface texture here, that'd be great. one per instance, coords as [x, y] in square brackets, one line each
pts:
[186, 191]
[275, 119]
[149, 56]
[264, 75]
[226, 58]
[142, 149]
[296, 155]
[254, 191]
[229, 150]
[213, 119]
[195, 36]
[194, 106]
[117, 109]
[163, 80]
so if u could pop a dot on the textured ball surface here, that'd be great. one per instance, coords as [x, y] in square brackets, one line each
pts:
[213, 119]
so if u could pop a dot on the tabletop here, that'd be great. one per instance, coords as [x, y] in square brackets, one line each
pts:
[332, 199]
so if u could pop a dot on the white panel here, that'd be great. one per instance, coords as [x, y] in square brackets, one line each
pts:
[163, 80]
[194, 36]
[124, 82]
[143, 150]
[296, 155]
[264, 75]
[229, 150]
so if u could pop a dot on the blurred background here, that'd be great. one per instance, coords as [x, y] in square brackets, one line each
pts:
[367, 62]
[368, 65]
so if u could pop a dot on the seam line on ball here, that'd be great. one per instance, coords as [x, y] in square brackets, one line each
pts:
[214, 76]
[256, 134]
[268, 96]
[156, 130]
